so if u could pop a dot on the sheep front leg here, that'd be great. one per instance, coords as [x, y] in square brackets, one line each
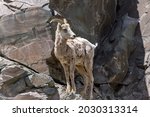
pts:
[71, 73]
[66, 70]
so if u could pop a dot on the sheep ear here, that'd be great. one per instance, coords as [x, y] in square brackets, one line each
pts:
[65, 21]
[59, 26]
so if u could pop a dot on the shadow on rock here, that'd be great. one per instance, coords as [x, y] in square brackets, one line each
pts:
[119, 62]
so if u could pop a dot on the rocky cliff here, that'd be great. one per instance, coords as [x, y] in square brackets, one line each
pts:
[122, 57]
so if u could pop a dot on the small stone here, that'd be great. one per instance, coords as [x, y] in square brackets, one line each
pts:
[41, 80]
[30, 96]
[49, 91]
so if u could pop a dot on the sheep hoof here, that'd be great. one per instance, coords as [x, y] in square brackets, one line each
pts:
[73, 92]
[68, 91]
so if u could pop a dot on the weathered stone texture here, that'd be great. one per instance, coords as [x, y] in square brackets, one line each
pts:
[122, 57]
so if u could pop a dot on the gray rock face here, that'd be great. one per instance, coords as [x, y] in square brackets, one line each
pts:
[25, 38]
[118, 53]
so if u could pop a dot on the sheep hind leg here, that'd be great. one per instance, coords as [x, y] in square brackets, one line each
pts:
[66, 70]
[91, 83]
[90, 78]
[83, 73]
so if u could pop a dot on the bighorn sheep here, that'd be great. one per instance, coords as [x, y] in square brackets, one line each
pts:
[74, 53]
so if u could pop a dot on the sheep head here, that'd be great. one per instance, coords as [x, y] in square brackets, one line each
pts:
[63, 27]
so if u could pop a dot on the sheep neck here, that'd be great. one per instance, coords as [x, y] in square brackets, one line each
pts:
[60, 41]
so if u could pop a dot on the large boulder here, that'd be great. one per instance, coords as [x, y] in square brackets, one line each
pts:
[25, 38]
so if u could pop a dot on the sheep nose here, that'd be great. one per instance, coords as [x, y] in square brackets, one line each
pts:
[73, 36]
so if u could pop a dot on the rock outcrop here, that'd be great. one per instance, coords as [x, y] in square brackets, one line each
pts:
[25, 37]
[18, 82]
[119, 64]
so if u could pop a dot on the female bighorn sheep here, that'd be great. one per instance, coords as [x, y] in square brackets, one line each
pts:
[74, 53]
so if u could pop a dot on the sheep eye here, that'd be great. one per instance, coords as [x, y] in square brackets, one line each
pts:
[65, 30]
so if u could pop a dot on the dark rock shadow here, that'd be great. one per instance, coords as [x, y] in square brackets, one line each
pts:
[55, 69]
[119, 69]
[135, 78]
